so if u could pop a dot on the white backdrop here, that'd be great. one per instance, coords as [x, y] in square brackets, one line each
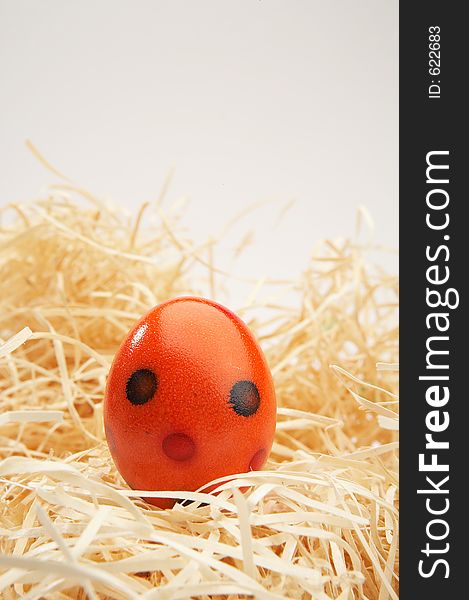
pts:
[248, 100]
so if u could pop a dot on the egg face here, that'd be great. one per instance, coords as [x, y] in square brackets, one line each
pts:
[189, 398]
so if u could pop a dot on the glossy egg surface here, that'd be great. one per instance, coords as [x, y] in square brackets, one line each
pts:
[189, 398]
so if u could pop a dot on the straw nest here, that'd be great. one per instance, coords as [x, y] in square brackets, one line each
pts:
[320, 521]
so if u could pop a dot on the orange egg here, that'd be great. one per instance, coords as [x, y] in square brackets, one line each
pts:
[189, 398]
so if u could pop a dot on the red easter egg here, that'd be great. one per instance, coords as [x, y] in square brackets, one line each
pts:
[189, 398]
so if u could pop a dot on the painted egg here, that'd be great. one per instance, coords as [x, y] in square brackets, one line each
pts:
[189, 398]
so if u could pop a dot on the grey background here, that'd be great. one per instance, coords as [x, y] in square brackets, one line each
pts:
[248, 100]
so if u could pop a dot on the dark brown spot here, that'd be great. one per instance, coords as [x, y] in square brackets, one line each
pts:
[141, 386]
[245, 398]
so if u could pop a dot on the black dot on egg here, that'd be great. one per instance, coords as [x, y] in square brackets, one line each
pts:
[245, 398]
[141, 386]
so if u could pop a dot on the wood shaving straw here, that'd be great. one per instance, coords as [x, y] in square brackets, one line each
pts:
[320, 521]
